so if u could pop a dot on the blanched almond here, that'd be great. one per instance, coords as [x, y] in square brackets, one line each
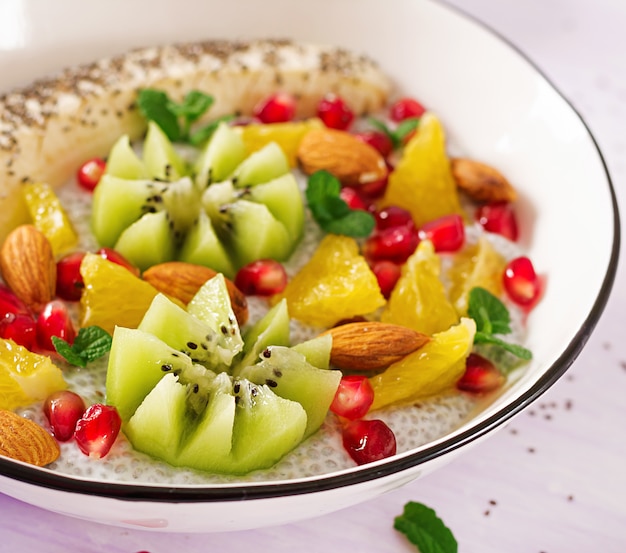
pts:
[482, 182]
[28, 267]
[352, 161]
[24, 440]
[181, 280]
[372, 345]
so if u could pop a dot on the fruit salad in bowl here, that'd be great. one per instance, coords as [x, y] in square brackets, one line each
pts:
[265, 272]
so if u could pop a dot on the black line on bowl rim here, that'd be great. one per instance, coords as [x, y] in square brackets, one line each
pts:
[249, 491]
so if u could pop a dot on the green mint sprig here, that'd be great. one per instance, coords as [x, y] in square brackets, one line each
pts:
[176, 118]
[331, 212]
[492, 317]
[397, 134]
[91, 343]
[424, 529]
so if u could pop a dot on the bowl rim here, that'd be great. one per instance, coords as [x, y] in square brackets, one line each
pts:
[212, 493]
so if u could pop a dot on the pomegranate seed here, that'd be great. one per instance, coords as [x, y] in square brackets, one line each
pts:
[481, 375]
[21, 328]
[278, 108]
[499, 218]
[392, 216]
[90, 173]
[63, 409]
[447, 233]
[368, 440]
[392, 244]
[97, 430]
[373, 190]
[264, 277]
[387, 274]
[116, 257]
[10, 303]
[353, 398]
[353, 198]
[69, 280]
[54, 320]
[405, 108]
[378, 140]
[334, 112]
[521, 282]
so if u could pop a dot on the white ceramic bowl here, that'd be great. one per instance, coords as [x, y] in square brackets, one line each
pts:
[495, 105]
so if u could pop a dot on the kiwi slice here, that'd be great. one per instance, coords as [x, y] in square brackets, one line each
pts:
[266, 164]
[188, 409]
[124, 163]
[220, 157]
[291, 376]
[160, 158]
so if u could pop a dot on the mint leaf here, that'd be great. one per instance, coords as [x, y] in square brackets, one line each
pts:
[492, 317]
[331, 212]
[91, 343]
[174, 118]
[518, 351]
[425, 529]
[398, 134]
[155, 106]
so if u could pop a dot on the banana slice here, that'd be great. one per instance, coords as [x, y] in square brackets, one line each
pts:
[48, 129]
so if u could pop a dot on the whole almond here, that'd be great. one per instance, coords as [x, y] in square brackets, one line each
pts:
[181, 280]
[372, 345]
[351, 160]
[24, 440]
[482, 182]
[28, 267]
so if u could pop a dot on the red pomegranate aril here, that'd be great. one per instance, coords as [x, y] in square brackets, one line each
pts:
[367, 441]
[334, 112]
[481, 376]
[405, 108]
[10, 303]
[278, 108]
[387, 274]
[353, 198]
[114, 256]
[499, 218]
[447, 233]
[54, 320]
[521, 282]
[90, 173]
[392, 216]
[21, 328]
[353, 398]
[264, 277]
[392, 244]
[378, 140]
[70, 283]
[63, 409]
[97, 430]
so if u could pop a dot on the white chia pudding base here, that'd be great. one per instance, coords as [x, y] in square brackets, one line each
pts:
[413, 425]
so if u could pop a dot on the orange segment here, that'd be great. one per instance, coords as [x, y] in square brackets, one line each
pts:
[112, 295]
[26, 377]
[422, 182]
[476, 265]
[419, 299]
[431, 370]
[286, 135]
[335, 284]
[49, 217]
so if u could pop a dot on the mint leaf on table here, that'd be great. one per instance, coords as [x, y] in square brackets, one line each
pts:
[91, 343]
[174, 118]
[331, 212]
[423, 528]
[492, 317]
[397, 135]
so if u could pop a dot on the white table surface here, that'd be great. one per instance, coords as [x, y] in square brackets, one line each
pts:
[553, 480]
